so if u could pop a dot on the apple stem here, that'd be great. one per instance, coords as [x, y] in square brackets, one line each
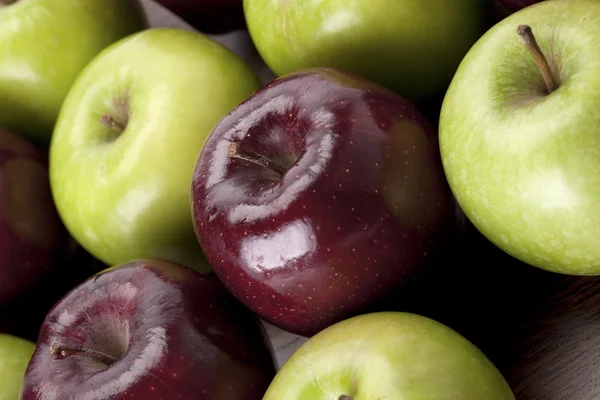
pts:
[112, 123]
[60, 352]
[235, 151]
[540, 59]
[6, 3]
[345, 397]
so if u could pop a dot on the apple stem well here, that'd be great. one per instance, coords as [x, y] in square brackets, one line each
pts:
[236, 151]
[60, 352]
[526, 33]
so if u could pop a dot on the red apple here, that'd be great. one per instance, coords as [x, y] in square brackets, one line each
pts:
[507, 7]
[317, 195]
[31, 232]
[149, 329]
[209, 16]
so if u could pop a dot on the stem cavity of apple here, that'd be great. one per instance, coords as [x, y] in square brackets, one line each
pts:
[6, 3]
[112, 123]
[528, 37]
[60, 352]
[236, 151]
[345, 397]
[118, 120]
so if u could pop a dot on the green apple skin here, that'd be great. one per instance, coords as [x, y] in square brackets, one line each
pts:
[15, 354]
[126, 196]
[524, 165]
[44, 44]
[411, 46]
[388, 355]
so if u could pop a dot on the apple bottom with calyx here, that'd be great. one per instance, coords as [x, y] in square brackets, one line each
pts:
[317, 195]
[149, 329]
[388, 355]
[15, 354]
[520, 135]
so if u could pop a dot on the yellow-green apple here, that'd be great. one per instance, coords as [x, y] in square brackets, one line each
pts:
[409, 46]
[44, 44]
[388, 355]
[128, 136]
[520, 135]
[210, 16]
[15, 354]
[317, 195]
[150, 329]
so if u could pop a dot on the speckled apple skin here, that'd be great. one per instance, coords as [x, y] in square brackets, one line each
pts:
[359, 210]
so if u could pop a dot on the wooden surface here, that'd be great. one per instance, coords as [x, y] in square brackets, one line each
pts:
[542, 330]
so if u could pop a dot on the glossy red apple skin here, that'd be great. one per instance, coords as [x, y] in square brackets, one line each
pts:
[31, 232]
[209, 16]
[176, 334]
[358, 212]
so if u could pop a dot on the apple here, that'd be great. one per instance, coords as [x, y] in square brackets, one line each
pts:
[519, 133]
[24, 314]
[127, 139]
[15, 354]
[210, 16]
[44, 46]
[408, 47]
[388, 355]
[150, 329]
[31, 233]
[317, 195]
[512, 6]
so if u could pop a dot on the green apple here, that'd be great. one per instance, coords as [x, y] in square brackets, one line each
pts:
[44, 44]
[388, 355]
[410, 46]
[127, 139]
[520, 135]
[15, 354]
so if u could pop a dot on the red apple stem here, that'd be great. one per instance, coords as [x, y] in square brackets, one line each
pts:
[112, 123]
[236, 151]
[528, 37]
[60, 352]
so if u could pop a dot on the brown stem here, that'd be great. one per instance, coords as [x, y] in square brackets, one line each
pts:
[540, 59]
[6, 3]
[60, 352]
[236, 151]
[345, 397]
[112, 123]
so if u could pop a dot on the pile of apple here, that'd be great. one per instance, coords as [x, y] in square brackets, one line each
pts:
[157, 200]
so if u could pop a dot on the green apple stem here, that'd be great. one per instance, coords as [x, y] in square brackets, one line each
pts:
[6, 3]
[60, 352]
[345, 397]
[540, 59]
[236, 151]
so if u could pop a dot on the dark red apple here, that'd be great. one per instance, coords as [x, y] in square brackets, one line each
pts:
[150, 330]
[24, 315]
[31, 232]
[209, 16]
[317, 195]
[507, 7]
